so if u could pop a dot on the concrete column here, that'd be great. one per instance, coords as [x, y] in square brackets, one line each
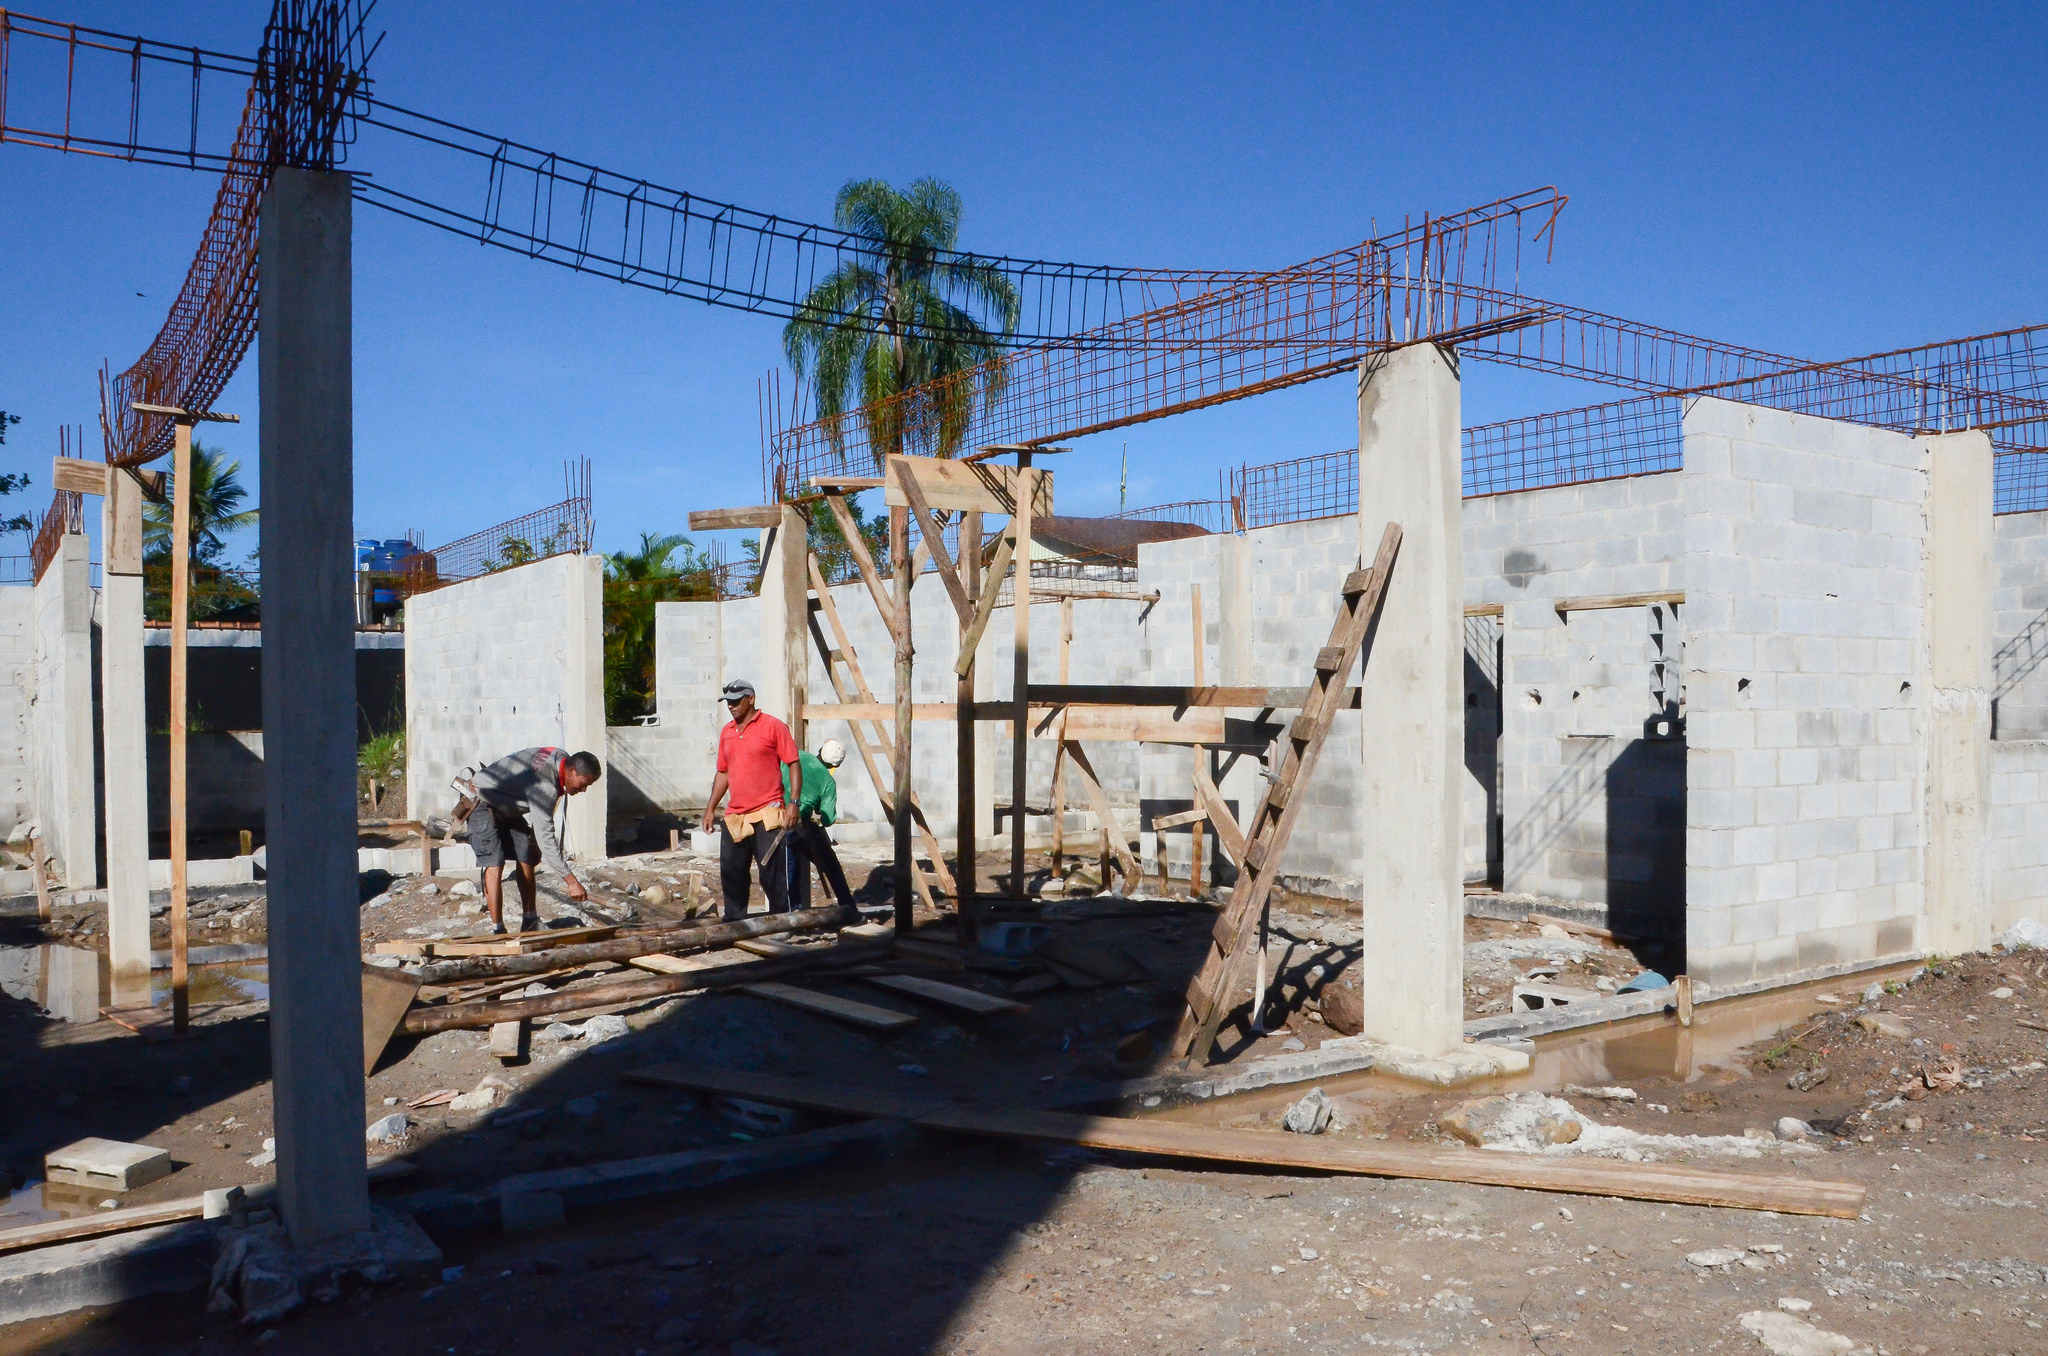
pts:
[1233, 612]
[1413, 716]
[583, 725]
[309, 717]
[124, 739]
[60, 718]
[781, 666]
[1957, 715]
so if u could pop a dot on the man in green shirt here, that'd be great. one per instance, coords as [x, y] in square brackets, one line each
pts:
[817, 806]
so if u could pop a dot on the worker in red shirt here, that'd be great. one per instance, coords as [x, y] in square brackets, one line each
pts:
[752, 750]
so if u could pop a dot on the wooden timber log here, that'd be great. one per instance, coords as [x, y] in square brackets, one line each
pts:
[477, 1016]
[667, 941]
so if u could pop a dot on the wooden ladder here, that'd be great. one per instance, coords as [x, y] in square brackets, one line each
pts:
[1213, 992]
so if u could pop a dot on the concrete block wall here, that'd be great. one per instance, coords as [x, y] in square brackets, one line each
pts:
[223, 779]
[2019, 627]
[61, 714]
[17, 687]
[1804, 596]
[697, 646]
[504, 662]
[2016, 846]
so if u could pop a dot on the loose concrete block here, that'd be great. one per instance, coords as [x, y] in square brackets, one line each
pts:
[107, 1165]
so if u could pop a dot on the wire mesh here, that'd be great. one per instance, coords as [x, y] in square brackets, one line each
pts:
[559, 529]
[65, 514]
[1214, 515]
[1599, 442]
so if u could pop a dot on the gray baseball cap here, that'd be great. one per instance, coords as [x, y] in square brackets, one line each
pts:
[736, 689]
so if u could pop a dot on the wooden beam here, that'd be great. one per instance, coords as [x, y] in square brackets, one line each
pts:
[1059, 753]
[1079, 766]
[1170, 694]
[952, 997]
[929, 528]
[966, 813]
[1140, 724]
[792, 553]
[899, 566]
[180, 714]
[1199, 839]
[1227, 832]
[1485, 609]
[1185, 817]
[1020, 675]
[951, 484]
[845, 483]
[718, 520]
[78, 477]
[863, 561]
[863, 1015]
[991, 585]
[1613, 600]
[1675, 1183]
[100, 1223]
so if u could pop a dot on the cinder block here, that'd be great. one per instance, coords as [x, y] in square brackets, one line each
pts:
[107, 1165]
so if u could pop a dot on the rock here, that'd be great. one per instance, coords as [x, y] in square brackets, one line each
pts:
[1311, 1115]
[1806, 1080]
[384, 962]
[462, 889]
[1886, 1024]
[1795, 1306]
[557, 1031]
[1792, 1128]
[483, 1096]
[2001, 993]
[1708, 1258]
[609, 1027]
[1526, 1121]
[430, 889]
[378, 901]
[1784, 1335]
[1551, 930]
[655, 894]
[1601, 1094]
[1293, 1044]
[536, 990]
[1873, 993]
[387, 1129]
[1912, 1125]
[1343, 1010]
[2026, 932]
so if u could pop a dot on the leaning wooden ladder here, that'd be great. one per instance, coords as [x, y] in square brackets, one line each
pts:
[1213, 993]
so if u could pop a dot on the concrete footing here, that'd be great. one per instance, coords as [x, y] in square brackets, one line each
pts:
[98, 1271]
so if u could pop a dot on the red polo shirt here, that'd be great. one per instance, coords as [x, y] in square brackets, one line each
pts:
[752, 760]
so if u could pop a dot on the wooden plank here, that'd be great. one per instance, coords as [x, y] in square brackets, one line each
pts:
[508, 1040]
[769, 946]
[991, 585]
[1485, 610]
[525, 944]
[966, 816]
[882, 711]
[1176, 695]
[857, 547]
[948, 484]
[386, 996]
[410, 950]
[863, 1015]
[683, 965]
[973, 1002]
[1185, 817]
[717, 520]
[1669, 1182]
[1139, 724]
[1020, 672]
[1198, 841]
[843, 483]
[180, 713]
[79, 477]
[100, 1223]
[1105, 814]
[929, 527]
[905, 861]
[1613, 600]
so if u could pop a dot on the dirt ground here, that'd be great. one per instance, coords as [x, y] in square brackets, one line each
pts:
[962, 1247]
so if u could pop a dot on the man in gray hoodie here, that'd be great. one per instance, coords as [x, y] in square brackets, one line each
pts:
[515, 815]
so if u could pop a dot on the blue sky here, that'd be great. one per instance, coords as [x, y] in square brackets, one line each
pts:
[1819, 181]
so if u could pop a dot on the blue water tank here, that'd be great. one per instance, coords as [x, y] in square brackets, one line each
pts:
[365, 548]
[389, 557]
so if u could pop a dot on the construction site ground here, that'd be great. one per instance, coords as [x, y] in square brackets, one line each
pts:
[1941, 1108]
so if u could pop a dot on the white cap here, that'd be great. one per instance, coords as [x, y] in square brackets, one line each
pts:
[831, 753]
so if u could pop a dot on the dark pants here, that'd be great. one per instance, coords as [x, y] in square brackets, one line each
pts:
[769, 847]
[810, 846]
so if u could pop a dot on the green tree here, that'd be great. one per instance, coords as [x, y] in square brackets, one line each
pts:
[906, 313]
[217, 497]
[666, 568]
[13, 484]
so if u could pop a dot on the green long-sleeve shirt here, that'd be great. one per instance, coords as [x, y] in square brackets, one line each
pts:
[820, 795]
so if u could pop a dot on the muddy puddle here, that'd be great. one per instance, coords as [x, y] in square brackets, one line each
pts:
[1614, 1053]
[72, 984]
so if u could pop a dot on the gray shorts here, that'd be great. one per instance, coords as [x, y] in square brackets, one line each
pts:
[495, 837]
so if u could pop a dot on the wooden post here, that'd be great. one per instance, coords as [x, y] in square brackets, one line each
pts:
[1059, 752]
[42, 878]
[181, 585]
[1682, 986]
[964, 870]
[793, 551]
[1198, 837]
[1020, 663]
[427, 852]
[899, 566]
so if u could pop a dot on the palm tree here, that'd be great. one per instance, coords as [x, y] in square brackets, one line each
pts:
[893, 318]
[634, 582]
[217, 497]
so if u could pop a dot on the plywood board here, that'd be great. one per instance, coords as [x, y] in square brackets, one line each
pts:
[967, 485]
[861, 1015]
[386, 996]
[79, 477]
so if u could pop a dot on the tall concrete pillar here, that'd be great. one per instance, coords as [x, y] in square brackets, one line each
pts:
[309, 701]
[124, 739]
[782, 678]
[60, 715]
[587, 817]
[1957, 714]
[1413, 702]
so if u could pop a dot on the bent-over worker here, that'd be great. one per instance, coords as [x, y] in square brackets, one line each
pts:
[753, 748]
[816, 809]
[514, 816]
